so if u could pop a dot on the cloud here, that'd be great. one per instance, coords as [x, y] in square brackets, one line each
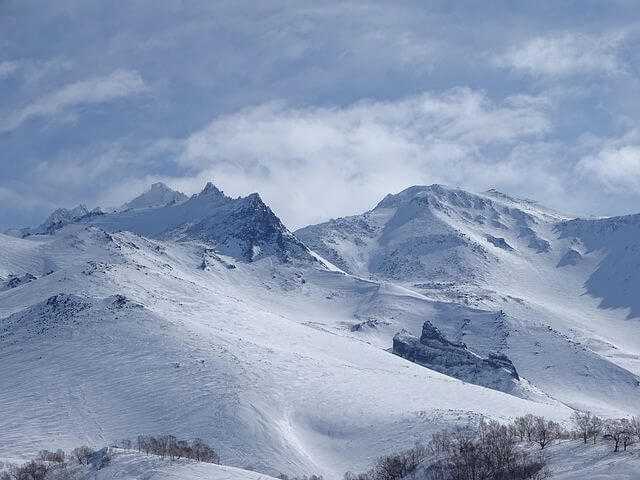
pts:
[566, 54]
[617, 167]
[120, 83]
[7, 69]
[314, 163]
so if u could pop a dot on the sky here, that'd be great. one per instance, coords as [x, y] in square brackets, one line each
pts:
[322, 107]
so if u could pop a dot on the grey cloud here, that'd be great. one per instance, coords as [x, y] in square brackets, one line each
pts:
[92, 91]
[354, 155]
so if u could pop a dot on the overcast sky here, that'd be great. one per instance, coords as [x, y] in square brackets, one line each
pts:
[322, 107]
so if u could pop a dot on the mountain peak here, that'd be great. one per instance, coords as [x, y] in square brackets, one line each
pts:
[418, 191]
[61, 217]
[159, 186]
[211, 189]
[157, 195]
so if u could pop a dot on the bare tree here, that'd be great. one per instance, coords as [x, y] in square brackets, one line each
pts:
[635, 427]
[525, 426]
[582, 422]
[595, 427]
[545, 431]
[619, 432]
[82, 454]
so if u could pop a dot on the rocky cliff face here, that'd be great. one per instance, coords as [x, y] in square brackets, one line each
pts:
[436, 352]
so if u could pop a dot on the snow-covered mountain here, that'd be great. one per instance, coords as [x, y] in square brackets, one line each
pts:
[58, 219]
[511, 277]
[205, 317]
[244, 228]
[158, 195]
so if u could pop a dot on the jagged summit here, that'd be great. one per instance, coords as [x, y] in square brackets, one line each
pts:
[157, 195]
[210, 317]
[61, 217]
[211, 190]
[244, 228]
[444, 197]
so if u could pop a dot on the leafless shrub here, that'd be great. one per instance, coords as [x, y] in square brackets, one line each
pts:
[620, 432]
[54, 457]
[545, 431]
[82, 454]
[170, 446]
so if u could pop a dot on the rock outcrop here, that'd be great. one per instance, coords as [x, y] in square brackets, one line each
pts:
[436, 352]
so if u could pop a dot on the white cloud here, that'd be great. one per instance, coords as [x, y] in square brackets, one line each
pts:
[315, 163]
[7, 69]
[566, 54]
[617, 167]
[120, 83]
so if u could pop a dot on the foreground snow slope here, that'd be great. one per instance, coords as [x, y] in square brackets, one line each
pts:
[131, 465]
[572, 460]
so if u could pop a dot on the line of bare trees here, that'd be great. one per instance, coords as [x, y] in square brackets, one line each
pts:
[49, 465]
[60, 465]
[491, 450]
[170, 446]
[620, 432]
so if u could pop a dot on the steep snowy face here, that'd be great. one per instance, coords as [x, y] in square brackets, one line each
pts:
[616, 278]
[244, 228]
[431, 234]
[158, 195]
[165, 330]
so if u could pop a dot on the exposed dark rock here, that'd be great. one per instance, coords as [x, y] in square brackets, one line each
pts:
[535, 242]
[433, 350]
[121, 301]
[572, 257]
[499, 242]
[14, 281]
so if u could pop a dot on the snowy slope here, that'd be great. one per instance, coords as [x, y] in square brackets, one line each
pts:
[253, 359]
[131, 465]
[208, 318]
[572, 460]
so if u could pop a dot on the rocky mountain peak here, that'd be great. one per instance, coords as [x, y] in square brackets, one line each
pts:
[157, 195]
[211, 190]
